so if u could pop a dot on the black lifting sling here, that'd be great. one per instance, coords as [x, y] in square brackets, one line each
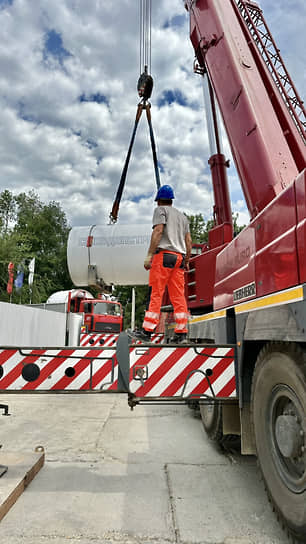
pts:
[145, 86]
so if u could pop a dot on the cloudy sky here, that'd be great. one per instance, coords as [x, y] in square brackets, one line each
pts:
[68, 76]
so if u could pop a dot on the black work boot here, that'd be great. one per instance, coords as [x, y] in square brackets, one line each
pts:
[142, 335]
[179, 338]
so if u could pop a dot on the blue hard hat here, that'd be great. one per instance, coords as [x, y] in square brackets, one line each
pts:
[165, 192]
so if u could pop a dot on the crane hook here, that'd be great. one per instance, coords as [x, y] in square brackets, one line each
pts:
[145, 85]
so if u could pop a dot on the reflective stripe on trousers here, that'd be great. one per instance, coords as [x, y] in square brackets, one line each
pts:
[167, 270]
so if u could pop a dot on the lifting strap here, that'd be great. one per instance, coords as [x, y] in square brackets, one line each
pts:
[143, 105]
[144, 87]
[155, 162]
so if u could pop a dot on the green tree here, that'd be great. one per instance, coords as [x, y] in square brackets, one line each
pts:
[237, 228]
[7, 210]
[38, 230]
[47, 230]
[199, 228]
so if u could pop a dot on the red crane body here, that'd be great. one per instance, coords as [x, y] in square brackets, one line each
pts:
[250, 290]
[270, 158]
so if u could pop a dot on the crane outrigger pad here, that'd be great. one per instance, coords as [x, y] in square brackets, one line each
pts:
[146, 372]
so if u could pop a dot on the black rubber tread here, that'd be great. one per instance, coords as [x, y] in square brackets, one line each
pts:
[228, 442]
[298, 357]
[214, 430]
[231, 443]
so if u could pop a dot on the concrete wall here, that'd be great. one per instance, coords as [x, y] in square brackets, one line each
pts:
[24, 326]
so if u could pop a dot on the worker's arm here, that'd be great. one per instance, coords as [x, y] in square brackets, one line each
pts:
[155, 239]
[188, 243]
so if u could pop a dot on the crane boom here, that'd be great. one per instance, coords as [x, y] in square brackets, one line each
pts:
[270, 54]
[263, 158]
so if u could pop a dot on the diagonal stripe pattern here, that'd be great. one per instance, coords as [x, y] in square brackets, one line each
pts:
[166, 371]
[108, 339]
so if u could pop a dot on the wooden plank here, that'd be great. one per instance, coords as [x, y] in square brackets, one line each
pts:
[22, 468]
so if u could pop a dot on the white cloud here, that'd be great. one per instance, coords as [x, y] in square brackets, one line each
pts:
[74, 151]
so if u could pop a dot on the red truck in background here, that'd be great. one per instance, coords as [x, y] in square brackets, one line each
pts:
[101, 315]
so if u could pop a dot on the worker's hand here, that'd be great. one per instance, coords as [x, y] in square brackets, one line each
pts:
[186, 265]
[148, 261]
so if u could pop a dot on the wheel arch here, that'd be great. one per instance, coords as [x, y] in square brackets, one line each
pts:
[247, 360]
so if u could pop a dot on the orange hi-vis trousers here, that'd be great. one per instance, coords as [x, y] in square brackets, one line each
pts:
[167, 270]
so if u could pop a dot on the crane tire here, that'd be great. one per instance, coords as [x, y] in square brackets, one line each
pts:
[278, 401]
[212, 420]
[211, 415]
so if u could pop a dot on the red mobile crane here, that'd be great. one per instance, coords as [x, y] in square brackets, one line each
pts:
[251, 289]
[246, 294]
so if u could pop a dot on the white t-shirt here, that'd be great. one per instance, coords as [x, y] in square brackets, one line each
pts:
[175, 230]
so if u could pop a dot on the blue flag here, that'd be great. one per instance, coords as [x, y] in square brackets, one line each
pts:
[19, 279]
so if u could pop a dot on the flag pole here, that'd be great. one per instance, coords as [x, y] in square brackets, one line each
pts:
[31, 277]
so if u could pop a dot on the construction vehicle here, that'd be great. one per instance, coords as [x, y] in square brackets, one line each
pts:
[245, 363]
[250, 289]
[101, 316]
[246, 293]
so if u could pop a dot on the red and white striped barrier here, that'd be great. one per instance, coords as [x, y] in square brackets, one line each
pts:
[173, 372]
[161, 371]
[99, 339]
[109, 339]
[54, 370]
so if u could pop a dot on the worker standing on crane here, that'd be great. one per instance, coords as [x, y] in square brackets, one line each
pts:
[167, 258]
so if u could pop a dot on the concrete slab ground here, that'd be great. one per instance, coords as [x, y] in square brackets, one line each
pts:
[23, 468]
[114, 476]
